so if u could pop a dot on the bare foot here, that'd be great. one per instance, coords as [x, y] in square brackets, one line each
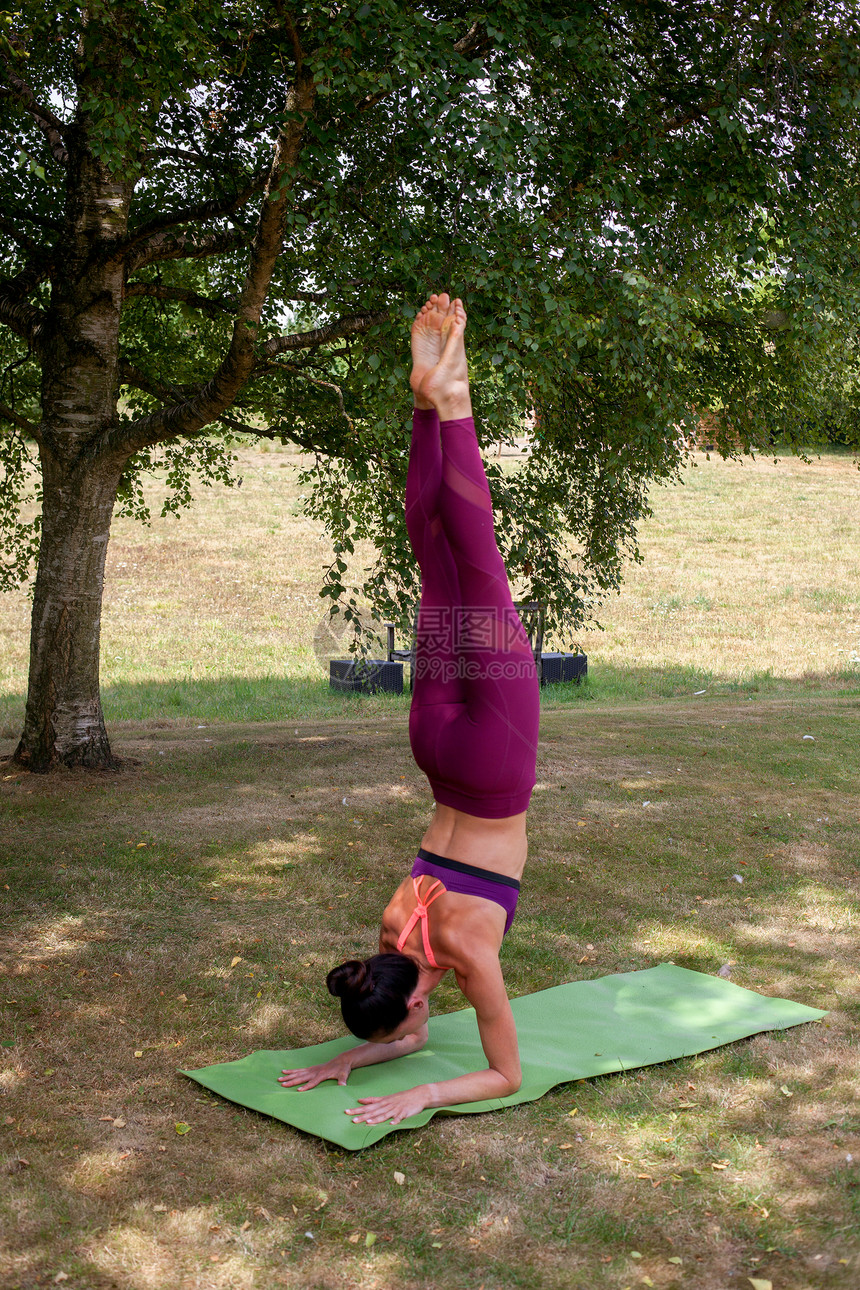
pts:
[427, 342]
[446, 386]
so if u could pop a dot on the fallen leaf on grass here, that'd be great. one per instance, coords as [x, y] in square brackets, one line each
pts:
[234, 961]
[675, 1259]
[354, 1238]
[245, 1225]
[138, 1052]
[118, 1123]
[182, 1129]
[370, 1239]
[159, 1209]
[719, 1164]
[759, 1283]
[399, 1178]
[786, 1092]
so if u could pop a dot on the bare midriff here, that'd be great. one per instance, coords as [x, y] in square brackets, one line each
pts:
[498, 845]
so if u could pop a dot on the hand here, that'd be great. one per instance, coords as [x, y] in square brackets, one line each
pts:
[309, 1076]
[395, 1107]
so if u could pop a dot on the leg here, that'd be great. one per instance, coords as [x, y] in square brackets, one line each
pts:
[436, 676]
[484, 754]
[496, 753]
[435, 679]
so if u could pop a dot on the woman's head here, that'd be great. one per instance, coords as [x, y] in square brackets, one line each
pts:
[374, 993]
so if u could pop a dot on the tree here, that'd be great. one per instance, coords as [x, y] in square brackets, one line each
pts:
[217, 214]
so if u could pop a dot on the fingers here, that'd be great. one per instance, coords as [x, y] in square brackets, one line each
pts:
[375, 1111]
[305, 1078]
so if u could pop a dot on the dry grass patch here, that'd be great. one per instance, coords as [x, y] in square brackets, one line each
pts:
[750, 578]
[750, 567]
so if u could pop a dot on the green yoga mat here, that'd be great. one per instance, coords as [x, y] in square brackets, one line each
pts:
[569, 1032]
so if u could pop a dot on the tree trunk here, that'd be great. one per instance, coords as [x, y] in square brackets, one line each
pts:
[63, 722]
[80, 473]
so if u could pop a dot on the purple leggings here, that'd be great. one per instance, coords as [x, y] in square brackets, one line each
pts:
[473, 725]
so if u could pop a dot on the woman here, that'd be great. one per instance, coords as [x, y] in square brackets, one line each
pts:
[473, 727]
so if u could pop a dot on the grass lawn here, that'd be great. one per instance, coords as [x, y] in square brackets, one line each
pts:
[184, 910]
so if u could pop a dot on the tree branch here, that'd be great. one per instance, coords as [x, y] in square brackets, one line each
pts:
[193, 214]
[475, 41]
[206, 304]
[12, 229]
[668, 126]
[191, 415]
[131, 375]
[352, 326]
[9, 414]
[184, 246]
[323, 385]
[41, 221]
[51, 126]
[180, 154]
[24, 319]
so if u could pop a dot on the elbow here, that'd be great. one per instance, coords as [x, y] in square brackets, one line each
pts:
[513, 1083]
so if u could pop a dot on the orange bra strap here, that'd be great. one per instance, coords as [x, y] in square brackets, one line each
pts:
[419, 914]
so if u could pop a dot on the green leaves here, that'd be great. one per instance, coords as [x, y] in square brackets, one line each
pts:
[627, 199]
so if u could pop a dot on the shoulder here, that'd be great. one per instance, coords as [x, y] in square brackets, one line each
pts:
[395, 916]
[479, 976]
[468, 929]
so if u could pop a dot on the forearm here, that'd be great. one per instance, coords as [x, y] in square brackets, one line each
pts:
[371, 1054]
[477, 1086]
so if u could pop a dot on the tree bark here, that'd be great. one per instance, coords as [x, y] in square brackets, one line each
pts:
[63, 723]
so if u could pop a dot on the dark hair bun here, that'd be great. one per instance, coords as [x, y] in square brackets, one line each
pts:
[350, 978]
[374, 994]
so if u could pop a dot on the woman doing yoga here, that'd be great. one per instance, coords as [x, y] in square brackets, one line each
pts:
[473, 727]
